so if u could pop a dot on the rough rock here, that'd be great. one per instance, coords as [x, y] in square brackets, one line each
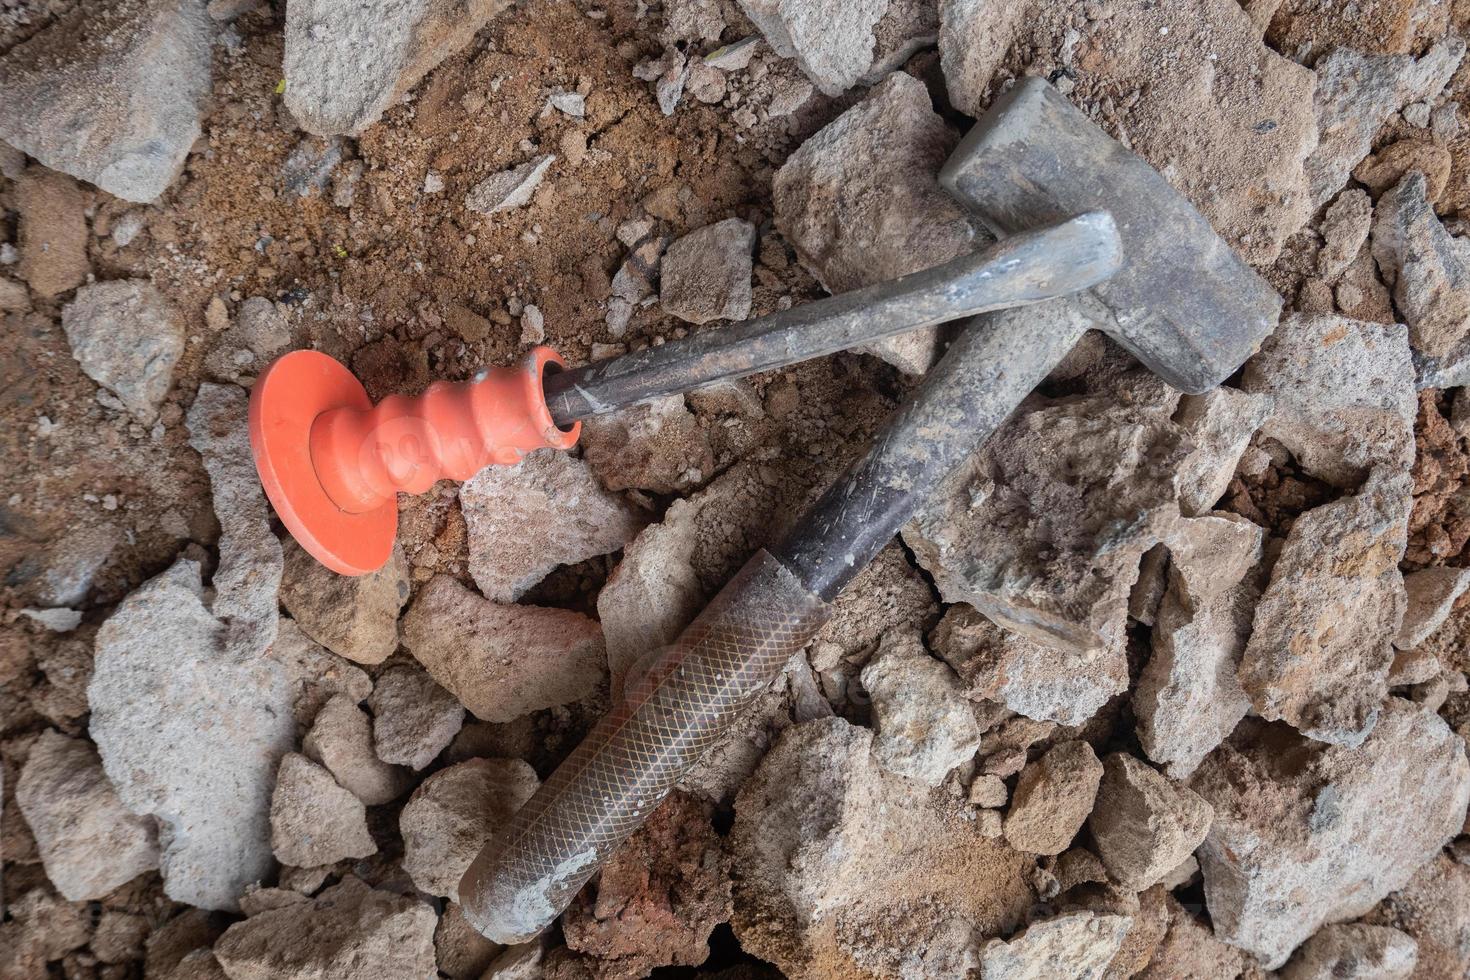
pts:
[1306, 28]
[248, 579]
[354, 616]
[316, 674]
[1355, 95]
[973, 39]
[1094, 477]
[832, 40]
[1306, 833]
[455, 813]
[1432, 594]
[1354, 952]
[1394, 162]
[1077, 945]
[906, 28]
[925, 727]
[1344, 395]
[313, 820]
[127, 339]
[1220, 423]
[345, 66]
[72, 562]
[658, 446]
[1188, 696]
[53, 238]
[860, 202]
[39, 929]
[111, 95]
[88, 841]
[525, 520]
[705, 275]
[1431, 909]
[341, 738]
[343, 928]
[509, 189]
[1034, 680]
[502, 660]
[1321, 642]
[1053, 797]
[462, 953]
[1344, 232]
[413, 718]
[658, 897]
[203, 765]
[1190, 951]
[819, 823]
[1428, 269]
[1142, 825]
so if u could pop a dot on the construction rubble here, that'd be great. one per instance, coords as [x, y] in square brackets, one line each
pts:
[1156, 685]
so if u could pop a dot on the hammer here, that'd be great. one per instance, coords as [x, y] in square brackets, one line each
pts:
[1183, 303]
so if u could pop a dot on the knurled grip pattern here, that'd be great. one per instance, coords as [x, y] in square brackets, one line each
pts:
[634, 756]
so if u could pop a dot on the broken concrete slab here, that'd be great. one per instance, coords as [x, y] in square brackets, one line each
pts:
[341, 738]
[1053, 798]
[1078, 945]
[1345, 229]
[1142, 825]
[354, 616]
[413, 718]
[1220, 423]
[204, 766]
[509, 189]
[1321, 641]
[1344, 395]
[527, 519]
[248, 579]
[1038, 681]
[705, 275]
[89, 843]
[346, 926]
[860, 202]
[658, 446]
[314, 821]
[820, 822]
[1353, 951]
[53, 234]
[502, 661]
[113, 95]
[925, 726]
[832, 40]
[1092, 476]
[455, 813]
[1428, 269]
[1432, 593]
[1188, 697]
[126, 338]
[1355, 95]
[1306, 833]
[344, 70]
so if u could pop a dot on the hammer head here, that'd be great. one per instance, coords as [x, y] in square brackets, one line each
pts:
[1184, 303]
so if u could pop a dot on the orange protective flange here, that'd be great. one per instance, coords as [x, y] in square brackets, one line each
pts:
[333, 464]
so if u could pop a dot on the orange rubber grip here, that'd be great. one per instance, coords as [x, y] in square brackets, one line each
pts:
[523, 879]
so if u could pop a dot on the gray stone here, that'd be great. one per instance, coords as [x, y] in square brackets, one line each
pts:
[345, 64]
[259, 333]
[248, 579]
[861, 203]
[1354, 952]
[1306, 833]
[1344, 232]
[126, 338]
[1432, 593]
[526, 520]
[925, 727]
[313, 820]
[72, 562]
[454, 814]
[202, 764]
[413, 718]
[317, 675]
[354, 616]
[657, 446]
[111, 95]
[974, 37]
[88, 841]
[341, 738]
[1053, 798]
[509, 189]
[1220, 423]
[1428, 269]
[832, 40]
[706, 274]
[1142, 825]
[503, 661]
[1076, 945]
[346, 930]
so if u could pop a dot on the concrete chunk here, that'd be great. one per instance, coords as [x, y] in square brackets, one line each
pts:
[354, 616]
[1220, 423]
[1053, 798]
[832, 40]
[1428, 269]
[1354, 952]
[1344, 232]
[313, 820]
[509, 189]
[925, 726]
[1432, 593]
[1078, 945]
[126, 338]
[53, 242]
[341, 738]
[413, 718]
[706, 274]
[1142, 825]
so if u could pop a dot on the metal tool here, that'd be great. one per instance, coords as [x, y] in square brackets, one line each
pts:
[1184, 304]
[333, 463]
